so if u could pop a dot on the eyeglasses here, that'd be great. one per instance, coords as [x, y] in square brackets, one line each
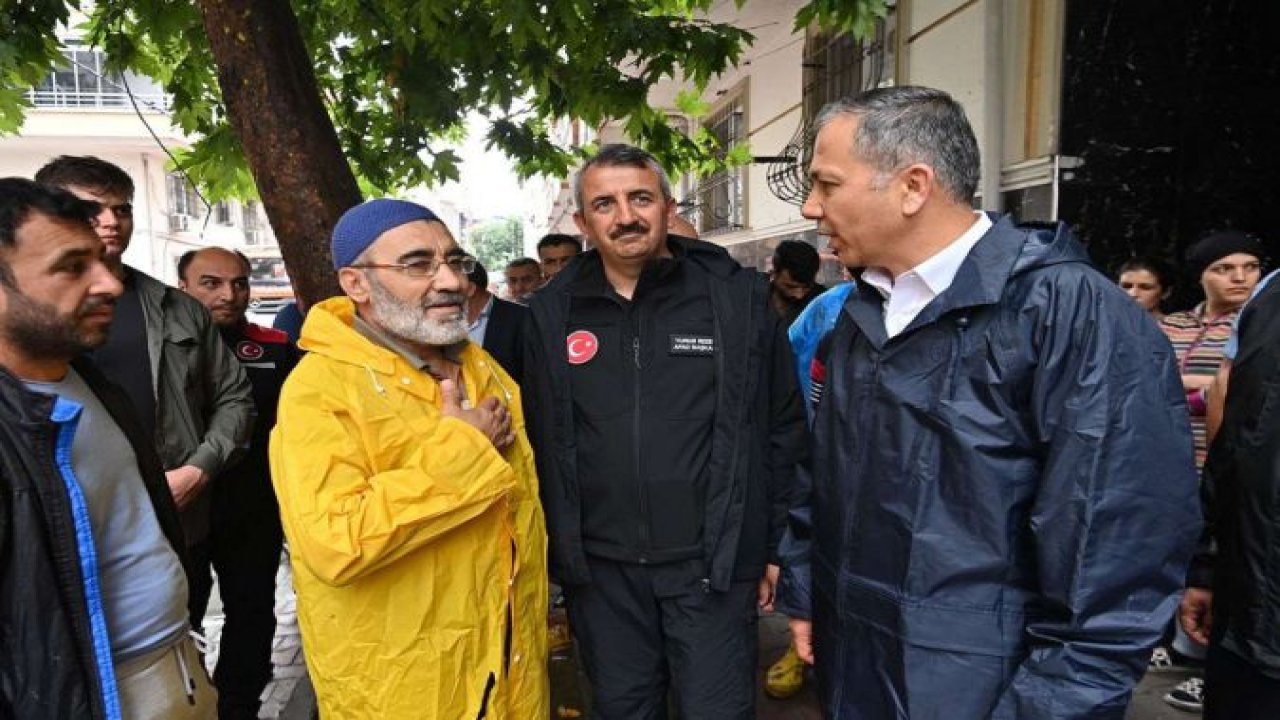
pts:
[426, 267]
[1230, 269]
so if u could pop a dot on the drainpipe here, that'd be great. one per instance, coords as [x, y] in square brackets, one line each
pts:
[156, 269]
[993, 103]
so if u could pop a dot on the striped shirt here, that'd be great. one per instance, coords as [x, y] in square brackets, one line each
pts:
[1199, 340]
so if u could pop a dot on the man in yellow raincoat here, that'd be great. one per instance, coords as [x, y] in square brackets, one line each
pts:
[407, 490]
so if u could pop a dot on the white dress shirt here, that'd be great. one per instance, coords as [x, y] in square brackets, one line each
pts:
[906, 295]
[477, 329]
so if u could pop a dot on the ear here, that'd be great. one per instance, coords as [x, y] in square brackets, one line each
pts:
[581, 222]
[917, 183]
[354, 283]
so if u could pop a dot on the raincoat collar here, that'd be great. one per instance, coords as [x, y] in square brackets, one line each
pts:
[1004, 251]
[329, 330]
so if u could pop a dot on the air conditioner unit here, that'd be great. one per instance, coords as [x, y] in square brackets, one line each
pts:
[179, 222]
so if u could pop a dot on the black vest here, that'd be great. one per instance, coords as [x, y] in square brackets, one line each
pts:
[1243, 472]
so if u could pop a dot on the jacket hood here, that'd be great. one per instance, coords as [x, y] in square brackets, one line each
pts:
[1046, 244]
[329, 330]
[711, 257]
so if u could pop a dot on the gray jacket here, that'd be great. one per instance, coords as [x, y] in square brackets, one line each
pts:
[204, 403]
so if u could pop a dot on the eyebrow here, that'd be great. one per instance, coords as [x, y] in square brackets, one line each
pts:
[230, 278]
[420, 253]
[428, 254]
[75, 254]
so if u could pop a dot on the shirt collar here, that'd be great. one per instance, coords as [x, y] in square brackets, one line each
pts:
[938, 271]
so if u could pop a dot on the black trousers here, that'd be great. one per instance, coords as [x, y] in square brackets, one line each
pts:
[244, 550]
[1235, 690]
[645, 629]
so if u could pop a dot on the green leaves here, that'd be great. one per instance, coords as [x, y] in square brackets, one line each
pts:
[399, 76]
[857, 17]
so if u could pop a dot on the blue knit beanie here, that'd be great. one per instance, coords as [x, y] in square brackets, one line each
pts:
[360, 226]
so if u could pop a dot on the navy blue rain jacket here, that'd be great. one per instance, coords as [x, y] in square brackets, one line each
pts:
[1002, 499]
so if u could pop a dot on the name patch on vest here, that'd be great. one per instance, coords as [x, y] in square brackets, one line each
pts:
[696, 345]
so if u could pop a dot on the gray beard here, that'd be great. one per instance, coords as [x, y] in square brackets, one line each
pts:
[409, 321]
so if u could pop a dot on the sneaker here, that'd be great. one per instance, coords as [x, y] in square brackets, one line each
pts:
[1188, 695]
[1166, 659]
[785, 677]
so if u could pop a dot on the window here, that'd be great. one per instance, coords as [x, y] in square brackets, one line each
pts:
[81, 80]
[251, 223]
[222, 213]
[720, 195]
[836, 65]
[184, 203]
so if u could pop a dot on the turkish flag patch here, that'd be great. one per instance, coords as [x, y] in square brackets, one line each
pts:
[248, 350]
[580, 346]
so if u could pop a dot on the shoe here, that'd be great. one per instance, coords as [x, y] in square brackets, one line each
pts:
[559, 639]
[1166, 659]
[1188, 695]
[785, 677]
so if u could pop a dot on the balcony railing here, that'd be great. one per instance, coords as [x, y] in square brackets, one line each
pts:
[98, 100]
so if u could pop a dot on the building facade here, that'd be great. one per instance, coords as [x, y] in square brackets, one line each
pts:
[1139, 122]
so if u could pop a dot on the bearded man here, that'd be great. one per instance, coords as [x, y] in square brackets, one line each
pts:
[407, 489]
[93, 618]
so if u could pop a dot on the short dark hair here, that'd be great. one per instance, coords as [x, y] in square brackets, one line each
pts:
[798, 258]
[621, 155]
[19, 197]
[554, 239]
[1163, 271]
[523, 262]
[479, 276]
[85, 171]
[185, 261]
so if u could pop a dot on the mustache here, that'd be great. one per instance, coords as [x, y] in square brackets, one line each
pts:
[628, 229]
[443, 298]
[96, 302]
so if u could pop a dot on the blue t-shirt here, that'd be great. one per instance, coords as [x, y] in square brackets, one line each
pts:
[814, 322]
[1233, 343]
[143, 587]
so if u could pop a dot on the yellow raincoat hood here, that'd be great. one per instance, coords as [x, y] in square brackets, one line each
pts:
[414, 542]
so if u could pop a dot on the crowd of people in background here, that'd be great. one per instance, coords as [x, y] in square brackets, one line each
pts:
[970, 474]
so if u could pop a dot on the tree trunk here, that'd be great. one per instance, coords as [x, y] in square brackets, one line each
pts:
[274, 105]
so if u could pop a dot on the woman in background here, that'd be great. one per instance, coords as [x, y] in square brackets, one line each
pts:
[1148, 281]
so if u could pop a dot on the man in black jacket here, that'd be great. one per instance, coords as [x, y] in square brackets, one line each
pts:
[495, 324]
[661, 400]
[1232, 602]
[93, 620]
[245, 532]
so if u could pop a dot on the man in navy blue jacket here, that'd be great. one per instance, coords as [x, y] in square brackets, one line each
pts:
[1002, 498]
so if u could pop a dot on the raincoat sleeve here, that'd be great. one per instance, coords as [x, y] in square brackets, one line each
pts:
[794, 586]
[786, 434]
[1116, 514]
[348, 511]
[794, 553]
[231, 409]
